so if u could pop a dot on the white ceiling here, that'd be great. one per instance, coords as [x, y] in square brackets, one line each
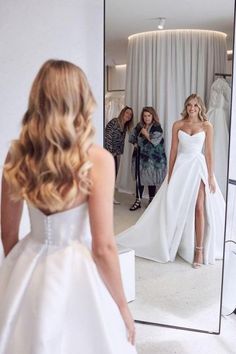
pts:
[126, 17]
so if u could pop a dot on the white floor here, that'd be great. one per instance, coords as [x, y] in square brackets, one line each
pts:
[176, 294]
[159, 340]
[155, 339]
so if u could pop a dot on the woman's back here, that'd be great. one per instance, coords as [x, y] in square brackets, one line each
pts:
[60, 288]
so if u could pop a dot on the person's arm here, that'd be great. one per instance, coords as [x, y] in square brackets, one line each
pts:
[133, 136]
[104, 248]
[174, 148]
[145, 133]
[209, 156]
[156, 135]
[10, 218]
[108, 136]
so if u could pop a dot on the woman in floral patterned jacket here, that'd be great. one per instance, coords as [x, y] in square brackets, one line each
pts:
[149, 159]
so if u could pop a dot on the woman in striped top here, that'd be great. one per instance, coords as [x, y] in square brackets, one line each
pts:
[115, 132]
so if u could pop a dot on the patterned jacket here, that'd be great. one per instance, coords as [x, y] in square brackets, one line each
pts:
[151, 155]
[114, 137]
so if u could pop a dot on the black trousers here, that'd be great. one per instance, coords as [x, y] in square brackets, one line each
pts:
[117, 163]
[140, 189]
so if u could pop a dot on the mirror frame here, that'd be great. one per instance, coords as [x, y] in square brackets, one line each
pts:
[105, 86]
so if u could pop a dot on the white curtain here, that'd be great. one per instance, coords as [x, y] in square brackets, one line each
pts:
[163, 68]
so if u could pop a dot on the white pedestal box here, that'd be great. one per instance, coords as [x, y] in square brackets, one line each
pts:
[127, 267]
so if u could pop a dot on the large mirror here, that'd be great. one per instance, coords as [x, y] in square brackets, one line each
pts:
[156, 55]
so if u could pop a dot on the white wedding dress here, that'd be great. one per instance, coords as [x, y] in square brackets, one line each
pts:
[52, 299]
[219, 116]
[167, 226]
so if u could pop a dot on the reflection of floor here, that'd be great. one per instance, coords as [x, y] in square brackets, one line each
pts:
[177, 294]
[190, 299]
[159, 340]
[123, 216]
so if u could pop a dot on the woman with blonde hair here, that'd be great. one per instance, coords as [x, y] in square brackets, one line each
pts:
[60, 288]
[186, 217]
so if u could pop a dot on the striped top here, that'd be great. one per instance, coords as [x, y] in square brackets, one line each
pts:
[115, 137]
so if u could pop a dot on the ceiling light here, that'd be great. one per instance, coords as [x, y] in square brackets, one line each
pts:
[150, 33]
[161, 23]
[120, 66]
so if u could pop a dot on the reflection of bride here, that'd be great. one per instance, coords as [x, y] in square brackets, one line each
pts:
[187, 213]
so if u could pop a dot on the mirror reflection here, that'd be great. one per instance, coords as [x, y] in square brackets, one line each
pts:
[168, 132]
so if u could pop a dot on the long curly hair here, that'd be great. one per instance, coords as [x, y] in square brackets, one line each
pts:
[49, 164]
[202, 109]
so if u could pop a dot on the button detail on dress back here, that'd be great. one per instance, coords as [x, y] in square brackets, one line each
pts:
[48, 231]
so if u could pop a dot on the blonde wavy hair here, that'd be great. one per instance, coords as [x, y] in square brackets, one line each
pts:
[49, 164]
[202, 109]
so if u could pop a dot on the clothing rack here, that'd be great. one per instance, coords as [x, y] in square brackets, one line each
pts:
[223, 75]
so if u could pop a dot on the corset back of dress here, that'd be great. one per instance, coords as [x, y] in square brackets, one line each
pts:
[61, 228]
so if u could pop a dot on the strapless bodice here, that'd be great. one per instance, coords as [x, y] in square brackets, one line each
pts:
[61, 228]
[191, 144]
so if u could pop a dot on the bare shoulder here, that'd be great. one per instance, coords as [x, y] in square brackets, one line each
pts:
[102, 172]
[98, 153]
[178, 124]
[100, 157]
[208, 127]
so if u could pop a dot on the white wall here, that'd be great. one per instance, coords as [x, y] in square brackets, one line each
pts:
[116, 76]
[33, 31]
[229, 66]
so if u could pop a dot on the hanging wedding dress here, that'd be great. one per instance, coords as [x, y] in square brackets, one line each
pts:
[114, 102]
[167, 227]
[219, 115]
[52, 299]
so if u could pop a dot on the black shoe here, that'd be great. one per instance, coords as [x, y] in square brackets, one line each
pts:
[150, 200]
[136, 205]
